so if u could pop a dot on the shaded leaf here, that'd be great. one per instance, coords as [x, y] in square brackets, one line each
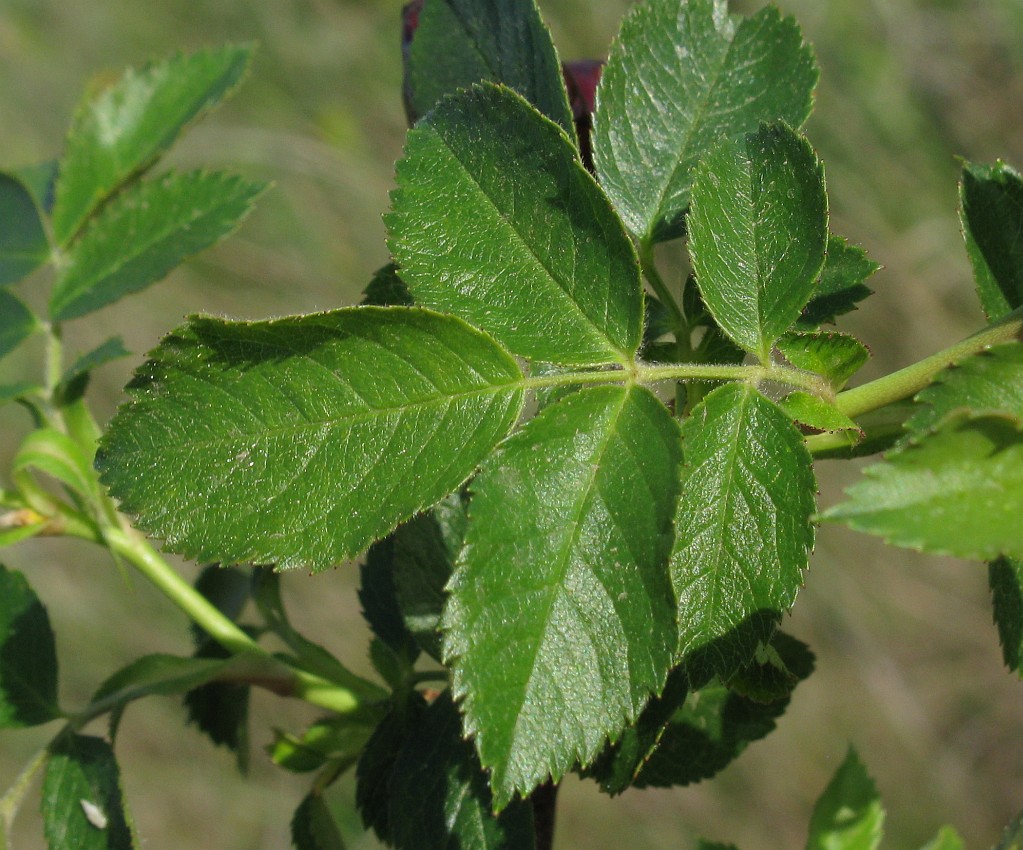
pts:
[559, 623]
[313, 827]
[379, 600]
[82, 802]
[680, 77]
[991, 213]
[123, 130]
[957, 490]
[221, 709]
[841, 286]
[299, 441]
[757, 234]
[387, 289]
[76, 377]
[848, 815]
[144, 233]
[532, 251]
[834, 356]
[439, 796]
[17, 322]
[40, 179]
[28, 657]
[460, 42]
[23, 243]
[1005, 578]
[743, 529]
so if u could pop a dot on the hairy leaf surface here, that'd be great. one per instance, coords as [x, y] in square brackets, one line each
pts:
[560, 622]
[743, 529]
[461, 42]
[834, 356]
[23, 243]
[122, 131]
[144, 233]
[680, 77]
[28, 657]
[299, 441]
[991, 212]
[816, 414]
[757, 234]
[848, 815]
[496, 221]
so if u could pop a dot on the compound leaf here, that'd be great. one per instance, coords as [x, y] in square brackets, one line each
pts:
[82, 803]
[439, 796]
[299, 441]
[743, 529]
[17, 322]
[532, 251]
[23, 243]
[991, 199]
[848, 815]
[956, 490]
[680, 77]
[757, 233]
[1005, 578]
[560, 621]
[119, 133]
[144, 233]
[841, 286]
[461, 42]
[28, 657]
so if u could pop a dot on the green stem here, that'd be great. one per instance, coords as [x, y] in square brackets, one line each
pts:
[12, 799]
[907, 382]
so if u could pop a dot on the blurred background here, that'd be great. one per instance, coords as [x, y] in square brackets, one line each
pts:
[908, 666]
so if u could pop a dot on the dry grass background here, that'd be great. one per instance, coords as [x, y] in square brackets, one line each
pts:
[908, 665]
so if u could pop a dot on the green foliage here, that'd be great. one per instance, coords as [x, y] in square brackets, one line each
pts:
[584, 514]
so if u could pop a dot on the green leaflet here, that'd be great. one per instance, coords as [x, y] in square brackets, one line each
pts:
[331, 738]
[956, 490]
[848, 815]
[816, 414]
[946, 839]
[82, 801]
[834, 356]
[119, 133]
[461, 42]
[76, 377]
[743, 529]
[23, 243]
[681, 76]
[757, 233]
[560, 621]
[841, 286]
[1005, 578]
[299, 441]
[991, 212]
[144, 233]
[28, 657]
[531, 251]
[17, 322]
[313, 827]
[439, 797]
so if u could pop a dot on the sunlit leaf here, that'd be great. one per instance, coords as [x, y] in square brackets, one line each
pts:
[848, 815]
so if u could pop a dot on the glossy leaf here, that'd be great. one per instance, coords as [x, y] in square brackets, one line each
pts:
[560, 621]
[990, 382]
[23, 243]
[757, 234]
[841, 286]
[816, 414]
[123, 130]
[743, 529]
[313, 827]
[834, 356]
[461, 42]
[680, 77]
[1005, 578]
[299, 441]
[848, 815]
[144, 233]
[28, 657]
[17, 323]
[991, 212]
[957, 490]
[531, 252]
[439, 797]
[82, 801]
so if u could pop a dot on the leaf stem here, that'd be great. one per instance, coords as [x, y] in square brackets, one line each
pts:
[907, 382]
[13, 797]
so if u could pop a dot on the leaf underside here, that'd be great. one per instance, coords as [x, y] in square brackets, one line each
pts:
[299, 441]
[559, 623]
